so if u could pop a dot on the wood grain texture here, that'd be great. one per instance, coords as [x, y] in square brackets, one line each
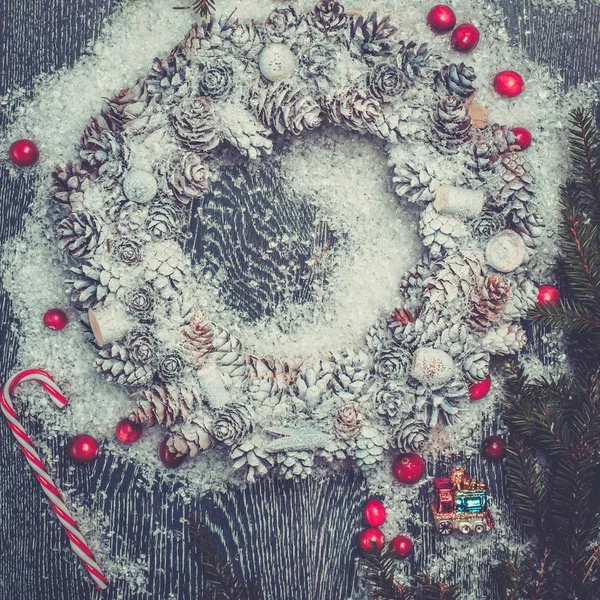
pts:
[296, 538]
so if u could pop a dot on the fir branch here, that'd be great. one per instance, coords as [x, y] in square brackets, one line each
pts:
[203, 7]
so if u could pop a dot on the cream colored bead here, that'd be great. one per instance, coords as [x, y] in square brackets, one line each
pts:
[277, 62]
[432, 366]
[139, 186]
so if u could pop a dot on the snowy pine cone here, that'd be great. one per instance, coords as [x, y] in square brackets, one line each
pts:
[440, 231]
[393, 402]
[69, 183]
[229, 355]
[385, 81]
[191, 437]
[295, 464]
[170, 366]
[393, 362]
[370, 446]
[187, 176]
[415, 183]
[476, 366]
[348, 421]
[488, 301]
[329, 16]
[165, 406]
[198, 338]
[413, 59]
[251, 456]
[451, 124]
[456, 80]
[372, 36]
[412, 435]
[80, 233]
[232, 424]
[116, 363]
[141, 302]
[90, 285]
[163, 221]
[128, 250]
[194, 124]
[216, 81]
[505, 339]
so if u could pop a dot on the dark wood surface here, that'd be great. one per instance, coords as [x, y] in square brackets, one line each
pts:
[297, 539]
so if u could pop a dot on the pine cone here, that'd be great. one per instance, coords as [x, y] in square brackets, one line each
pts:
[489, 145]
[102, 150]
[283, 108]
[199, 337]
[191, 437]
[232, 424]
[81, 234]
[505, 339]
[413, 60]
[451, 124]
[206, 41]
[415, 182]
[187, 176]
[329, 16]
[194, 124]
[378, 337]
[250, 455]
[440, 231]
[449, 334]
[348, 421]
[318, 61]
[244, 132]
[295, 464]
[487, 225]
[167, 268]
[385, 81]
[141, 302]
[92, 285]
[394, 402]
[285, 372]
[246, 38]
[141, 346]
[282, 23]
[170, 366]
[518, 188]
[371, 36]
[441, 405]
[216, 81]
[393, 362]
[168, 79]
[476, 366]
[229, 355]
[488, 301]
[127, 105]
[456, 80]
[312, 382]
[528, 225]
[70, 183]
[523, 297]
[370, 446]
[351, 374]
[116, 363]
[412, 435]
[128, 250]
[163, 406]
[163, 221]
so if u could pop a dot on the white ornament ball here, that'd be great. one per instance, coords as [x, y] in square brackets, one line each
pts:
[432, 367]
[277, 62]
[505, 251]
[139, 186]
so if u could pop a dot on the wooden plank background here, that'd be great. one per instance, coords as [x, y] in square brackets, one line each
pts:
[297, 539]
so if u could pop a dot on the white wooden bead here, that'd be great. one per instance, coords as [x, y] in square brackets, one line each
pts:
[277, 62]
[458, 201]
[432, 366]
[505, 251]
[139, 186]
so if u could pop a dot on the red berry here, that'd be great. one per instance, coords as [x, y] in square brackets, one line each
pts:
[508, 84]
[480, 388]
[83, 448]
[408, 468]
[401, 546]
[55, 319]
[168, 458]
[465, 37]
[441, 18]
[523, 137]
[374, 512]
[493, 447]
[370, 537]
[548, 294]
[128, 432]
[24, 153]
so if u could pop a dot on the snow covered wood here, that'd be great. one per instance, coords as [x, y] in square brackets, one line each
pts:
[109, 323]
[457, 201]
[505, 251]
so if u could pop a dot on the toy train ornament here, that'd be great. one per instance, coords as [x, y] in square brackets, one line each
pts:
[461, 504]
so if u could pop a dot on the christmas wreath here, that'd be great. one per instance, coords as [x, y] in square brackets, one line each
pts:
[191, 140]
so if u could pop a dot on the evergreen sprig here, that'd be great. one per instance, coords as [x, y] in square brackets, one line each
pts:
[203, 7]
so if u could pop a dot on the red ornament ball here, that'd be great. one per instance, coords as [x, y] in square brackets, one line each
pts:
[480, 388]
[523, 137]
[55, 319]
[465, 37]
[370, 537]
[548, 294]
[408, 468]
[508, 84]
[441, 18]
[374, 512]
[128, 432]
[168, 458]
[493, 447]
[83, 448]
[24, 153]
[401, 546]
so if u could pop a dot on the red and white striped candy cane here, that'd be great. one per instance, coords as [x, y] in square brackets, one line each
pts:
[78, 543]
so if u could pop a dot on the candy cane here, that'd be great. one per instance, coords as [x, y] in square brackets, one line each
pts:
[78, 543]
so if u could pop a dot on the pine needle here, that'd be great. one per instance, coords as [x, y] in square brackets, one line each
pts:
[203, 7]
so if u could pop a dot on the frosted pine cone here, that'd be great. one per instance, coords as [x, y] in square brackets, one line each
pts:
[394, 402]
[456, 80]
[312, 382]
[505, 339]
[244, 132]
[116, 363]
[489, 145]
[127, 105]
[80, 233]
[528, 225]
[187, 176]
[232, 424]
[162, 406]
[90, 286]
[170, 366]
[70, 183]
[216, 81]
[247, 39]
[283, 108]
[166, 268]
[351, 374]
[282, 23]
[476, 366]
[162, 221]
[194, 124]
[191, 437]
[318, 62]
[103, 150]
[251, 456]
[207, 40]
[168, 80]
[370, 446]
[141, 346]
[198, 338]
[413, 59]
[518, 188]
[440, 231]
[523, 298]
[348, 421]
[141, 302]
[451, 124]
[128, 250]
[412, 435]
[229, 355]
[393, 362]
[385, 81]
[441, 405]
[329, 16]
[295, 464]
[372, 36]
[415, 183]
[488, 301]
[378, 337]
[487, 225]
